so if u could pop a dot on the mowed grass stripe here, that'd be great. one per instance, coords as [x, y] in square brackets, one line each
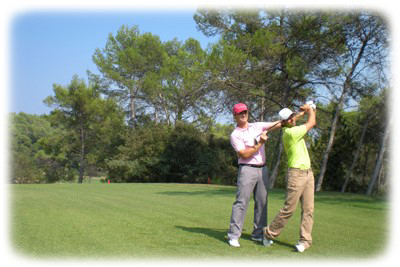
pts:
[180, 221]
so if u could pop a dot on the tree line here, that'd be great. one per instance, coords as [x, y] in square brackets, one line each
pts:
[150, 114]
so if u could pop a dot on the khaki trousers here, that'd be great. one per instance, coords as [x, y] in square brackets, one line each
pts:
[300, 186]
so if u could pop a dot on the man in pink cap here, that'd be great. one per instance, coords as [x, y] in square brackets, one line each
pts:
[252, 176]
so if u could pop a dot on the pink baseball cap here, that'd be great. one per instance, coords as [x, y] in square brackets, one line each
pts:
[239, 107]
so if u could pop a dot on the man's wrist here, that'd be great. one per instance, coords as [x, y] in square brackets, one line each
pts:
[260, 143]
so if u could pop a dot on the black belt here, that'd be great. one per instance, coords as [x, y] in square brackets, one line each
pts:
[252, 165]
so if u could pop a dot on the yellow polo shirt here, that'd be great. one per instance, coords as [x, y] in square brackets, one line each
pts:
[295, 147]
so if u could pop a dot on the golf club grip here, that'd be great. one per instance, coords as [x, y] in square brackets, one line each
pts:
[269, 128]
[255, 138]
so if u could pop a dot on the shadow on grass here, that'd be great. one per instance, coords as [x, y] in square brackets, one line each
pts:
[330, 198]
[214, 190]
[221, 235]
[210, 191]
[356, 200]
[284, 244]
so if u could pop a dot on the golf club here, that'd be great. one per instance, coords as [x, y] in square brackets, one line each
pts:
[255, 138]
[312, 105]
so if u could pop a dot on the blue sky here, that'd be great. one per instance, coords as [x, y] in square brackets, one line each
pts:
[50, 47]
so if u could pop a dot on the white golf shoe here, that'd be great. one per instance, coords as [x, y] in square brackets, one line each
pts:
[234, 243]
[300, 247]
[267, 242]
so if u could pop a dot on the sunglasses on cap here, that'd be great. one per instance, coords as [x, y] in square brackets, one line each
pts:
[243, 112]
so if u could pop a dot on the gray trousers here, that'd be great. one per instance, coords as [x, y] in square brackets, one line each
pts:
[250, 180]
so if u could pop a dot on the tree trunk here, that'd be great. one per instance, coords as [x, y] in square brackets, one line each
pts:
[166, 111]
[346, 86]
[330, 143]
[179, 112]
[168, 117]
[379, 160]
[82, 155]
[383, 177]
[132, 105]
[286, 94]
[278, 152]
[155, 116]
[355, 159]
[179, 115]
[262, 109]
[365, 169]
[380, 178]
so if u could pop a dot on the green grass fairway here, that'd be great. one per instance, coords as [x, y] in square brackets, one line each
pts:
[180, 221]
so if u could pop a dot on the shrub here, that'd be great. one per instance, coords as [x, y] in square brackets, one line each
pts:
[182, 154]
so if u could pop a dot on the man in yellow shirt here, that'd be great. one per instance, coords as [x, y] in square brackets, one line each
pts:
[300, 184]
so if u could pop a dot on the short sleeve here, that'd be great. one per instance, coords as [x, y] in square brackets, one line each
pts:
[237, 143]
[264, 126]
[297, 132]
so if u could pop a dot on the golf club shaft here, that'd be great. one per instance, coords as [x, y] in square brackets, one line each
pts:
[255, 138]
[269, 128]
[295, 113]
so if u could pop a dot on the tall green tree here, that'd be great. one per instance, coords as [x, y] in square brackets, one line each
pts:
[357, 143]
[184, 80]
[180, 92]
[366, 41]
[127, 59]
[371, 108]
[88, 119]
[268, 59]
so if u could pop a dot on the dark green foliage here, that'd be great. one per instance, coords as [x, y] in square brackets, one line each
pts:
[161, 153]
[340, 158]
[80, 133]
[139, 158]
[347, 139]
[182, 154]
[188, 155]
[25, 132]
